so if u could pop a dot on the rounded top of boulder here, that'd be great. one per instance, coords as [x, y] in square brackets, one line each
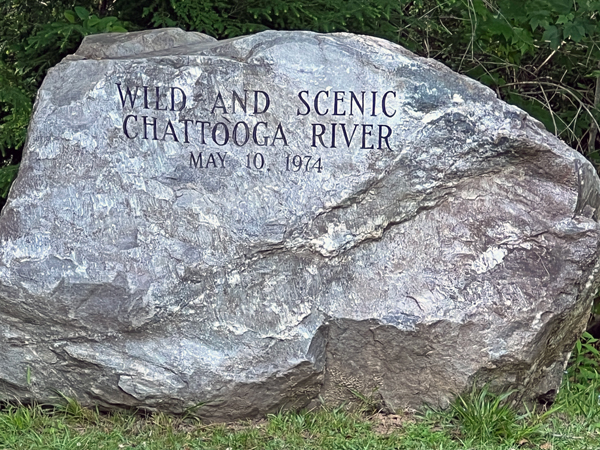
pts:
[122, 45]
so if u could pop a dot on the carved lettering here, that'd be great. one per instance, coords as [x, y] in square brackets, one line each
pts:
[318, 135]
[384, 137]
[224, 133]
[350, 103]
[185, 129]
[246, 133]
[333, 125]
[145, 119]
[384, 106]
[262, 102]
[204, 162]
[173, 102]
[219, 104]
[169, 131]
[166, 126]
[279, 134]
[202, 125]
[348, 140]
[125, 130]
[254, 134]
[128, 95]
[195, 162]
[303, 100]
[158, 96]
[374, 93]
[317, 103]
[238, 99]
[360, 105]
[364, 135]
[267, 102]
[338, 98]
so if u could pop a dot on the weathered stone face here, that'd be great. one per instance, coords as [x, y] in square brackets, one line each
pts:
[256, 222]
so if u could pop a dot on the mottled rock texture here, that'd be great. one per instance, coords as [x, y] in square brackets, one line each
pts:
[257, 222]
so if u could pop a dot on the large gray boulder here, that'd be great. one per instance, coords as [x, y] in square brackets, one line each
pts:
[257, 223]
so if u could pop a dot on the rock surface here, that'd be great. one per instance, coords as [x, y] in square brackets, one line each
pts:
[253, 223]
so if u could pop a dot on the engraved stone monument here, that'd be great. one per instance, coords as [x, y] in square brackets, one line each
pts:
[255, 223]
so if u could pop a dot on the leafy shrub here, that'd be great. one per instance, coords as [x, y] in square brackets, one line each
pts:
[230, 18]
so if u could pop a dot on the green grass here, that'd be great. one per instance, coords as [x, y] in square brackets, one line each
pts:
[478, 420]
[34, 427]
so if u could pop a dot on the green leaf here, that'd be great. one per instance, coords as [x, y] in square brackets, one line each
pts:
[551, 35]
[539, 18]
[588, 374]
[565, 19]
[588, 337]
[82, 12]
[497, 27]
[538, 22]
[574, 31]
[107, 21]
[595, 158]
[70, 16]
[93, 20]
[118, 29]
[562, 7]
[591, 349]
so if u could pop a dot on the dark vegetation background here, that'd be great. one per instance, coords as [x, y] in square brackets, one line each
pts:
[541, 55]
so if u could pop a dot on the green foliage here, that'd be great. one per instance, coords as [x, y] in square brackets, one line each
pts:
[15, 110]
[7, 176]
[580, 394]
[585, 361]
[227, 18]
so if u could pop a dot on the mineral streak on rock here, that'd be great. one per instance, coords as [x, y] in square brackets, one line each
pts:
[257, 222]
